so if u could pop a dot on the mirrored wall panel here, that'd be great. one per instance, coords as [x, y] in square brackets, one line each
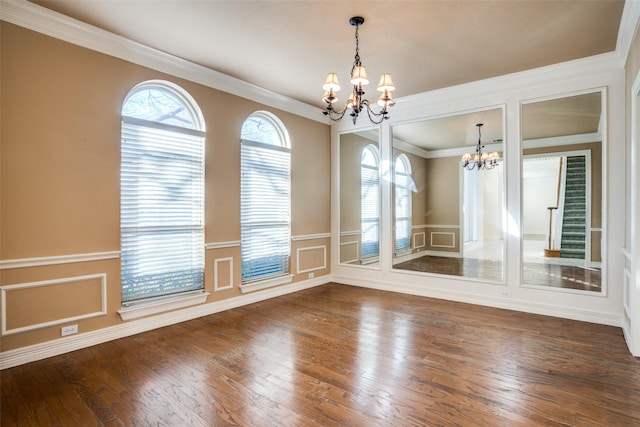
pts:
[360, 198]
[448, 192]
[562, 192]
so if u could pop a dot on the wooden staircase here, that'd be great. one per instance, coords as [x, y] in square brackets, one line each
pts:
[573, 241]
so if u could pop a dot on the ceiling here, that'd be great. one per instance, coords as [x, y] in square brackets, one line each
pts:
[553, 118]
[289, 46]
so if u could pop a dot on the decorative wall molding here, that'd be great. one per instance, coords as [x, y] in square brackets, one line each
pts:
[357, 251]
[42, 20]
[217, 261]
[222, 245]
[63, 345]
[311, 237]
[312, 248]
[419, 240]
[59, 259]
[350, 233]
[416, 227]
[4, 290]
[626, 292]
[442, 233]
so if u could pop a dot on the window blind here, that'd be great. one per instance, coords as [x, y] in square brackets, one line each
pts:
[403, 189]
[265, 210]
[370, 205]
[162, 210]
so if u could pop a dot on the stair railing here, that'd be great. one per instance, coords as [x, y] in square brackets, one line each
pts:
[553, 241]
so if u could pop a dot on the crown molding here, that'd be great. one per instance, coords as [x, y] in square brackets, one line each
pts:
[509, 84]
[628, 28]
[42, 20]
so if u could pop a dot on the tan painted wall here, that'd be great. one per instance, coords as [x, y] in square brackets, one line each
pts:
[60, 154]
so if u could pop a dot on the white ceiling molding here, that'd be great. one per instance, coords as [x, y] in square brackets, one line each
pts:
[585, 138]
[628, 27]
[410, 148]
[413, 105]
[42, 20]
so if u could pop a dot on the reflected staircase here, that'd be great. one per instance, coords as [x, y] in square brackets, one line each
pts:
[573, 241]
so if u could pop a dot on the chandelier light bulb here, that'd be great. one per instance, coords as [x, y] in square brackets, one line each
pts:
[351, 100]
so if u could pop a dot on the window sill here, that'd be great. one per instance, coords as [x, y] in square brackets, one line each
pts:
[264, 284]
[147, 309]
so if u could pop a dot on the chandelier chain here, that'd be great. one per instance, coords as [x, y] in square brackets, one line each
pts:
[356, 59]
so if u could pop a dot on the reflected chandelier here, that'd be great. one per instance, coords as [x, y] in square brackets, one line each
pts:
[481, 160]
[359, 79]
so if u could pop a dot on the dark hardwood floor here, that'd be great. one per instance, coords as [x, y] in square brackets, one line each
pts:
[539, 274]
[338, 355]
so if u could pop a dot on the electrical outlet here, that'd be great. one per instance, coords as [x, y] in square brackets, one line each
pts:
[311, 275]
[506, 294]
[69, 330]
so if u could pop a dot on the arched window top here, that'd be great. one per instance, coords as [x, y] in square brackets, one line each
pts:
[265, 128]
[403, 166]
[163, 102]
[370, 156]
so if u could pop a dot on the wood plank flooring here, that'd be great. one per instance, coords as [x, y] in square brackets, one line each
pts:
[338, 355]
[539, 274]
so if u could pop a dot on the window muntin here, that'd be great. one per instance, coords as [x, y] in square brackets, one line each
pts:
[370, 201]
[403, 189]
[265, 198]
[163, 102]
[162, 193]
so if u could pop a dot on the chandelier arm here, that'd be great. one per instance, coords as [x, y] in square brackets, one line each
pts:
[335, 115]
[379, 117]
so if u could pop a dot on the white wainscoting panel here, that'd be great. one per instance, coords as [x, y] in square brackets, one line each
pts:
[7, 289]
[443, 233]
[355, 242]
[312, 248]
[217, 280]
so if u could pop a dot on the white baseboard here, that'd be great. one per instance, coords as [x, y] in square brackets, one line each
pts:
[63, 345]
[486, 300]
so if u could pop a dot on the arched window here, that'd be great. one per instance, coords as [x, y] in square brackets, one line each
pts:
[265, 198]
[370, 201]
[404, 186]
[161, 192]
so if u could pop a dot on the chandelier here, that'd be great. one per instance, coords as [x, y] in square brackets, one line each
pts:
[481, 160]
[356, 103]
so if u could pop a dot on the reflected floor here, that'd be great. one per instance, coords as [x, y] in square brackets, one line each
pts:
[468, 267]
[554, 275]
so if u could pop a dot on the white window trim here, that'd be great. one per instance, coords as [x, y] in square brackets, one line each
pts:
[148, 308]
[264, 284]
